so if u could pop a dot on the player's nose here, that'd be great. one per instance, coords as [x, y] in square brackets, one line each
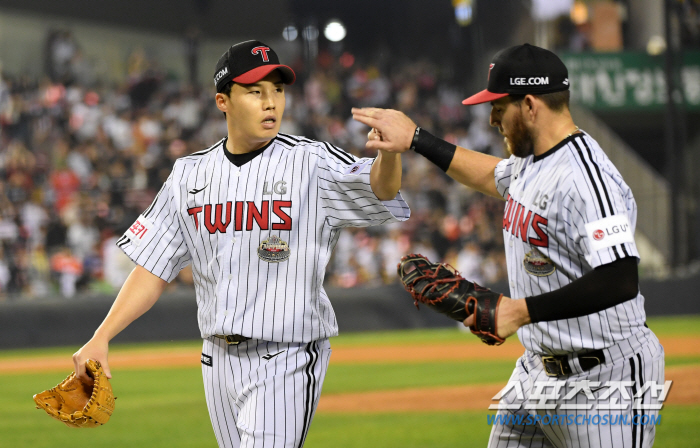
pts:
[268, 101]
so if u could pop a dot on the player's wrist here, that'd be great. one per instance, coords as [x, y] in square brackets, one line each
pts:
[523, 314]
[432, 148]
[389, 155]
[100, 337]
[511, 315]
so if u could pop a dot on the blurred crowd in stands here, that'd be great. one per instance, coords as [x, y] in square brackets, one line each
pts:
[80, 159]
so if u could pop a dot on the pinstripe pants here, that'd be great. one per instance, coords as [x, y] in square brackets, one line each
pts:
[262, 393]
[635, 361]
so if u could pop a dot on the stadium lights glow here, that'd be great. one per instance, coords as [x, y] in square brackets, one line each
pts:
[335, 31]
[464, 12]
[579, 13]
[290, 33]
[656, 45]
[310, 32]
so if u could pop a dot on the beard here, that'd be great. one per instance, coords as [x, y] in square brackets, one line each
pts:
[520, 142]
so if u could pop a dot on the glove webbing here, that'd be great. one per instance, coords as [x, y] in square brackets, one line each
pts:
[433, 282]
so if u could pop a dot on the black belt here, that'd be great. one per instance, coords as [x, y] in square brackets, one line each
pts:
[559, 365]
[232, 339]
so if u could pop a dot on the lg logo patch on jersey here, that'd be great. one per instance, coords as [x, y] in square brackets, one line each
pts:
[608, 232]
[279, 187]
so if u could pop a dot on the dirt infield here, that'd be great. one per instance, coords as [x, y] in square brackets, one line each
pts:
[673, 346]
[685, 390]
[141, 359]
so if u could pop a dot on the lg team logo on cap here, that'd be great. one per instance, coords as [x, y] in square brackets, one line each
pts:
[263, 51]
[490, 68]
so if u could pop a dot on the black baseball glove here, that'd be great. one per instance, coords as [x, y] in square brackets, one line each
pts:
[440, 287]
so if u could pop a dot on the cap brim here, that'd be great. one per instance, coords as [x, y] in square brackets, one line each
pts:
[483, 97]
[258, 73]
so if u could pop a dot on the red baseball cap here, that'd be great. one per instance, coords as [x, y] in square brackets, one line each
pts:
[522, 70]
[248, 62]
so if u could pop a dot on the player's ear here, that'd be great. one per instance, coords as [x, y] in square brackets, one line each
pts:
[530, 107]
[221, 103]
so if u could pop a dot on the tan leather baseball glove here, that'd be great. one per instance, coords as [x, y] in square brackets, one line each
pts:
[79, 404]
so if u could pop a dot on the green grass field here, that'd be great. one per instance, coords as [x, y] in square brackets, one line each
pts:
[166, 408]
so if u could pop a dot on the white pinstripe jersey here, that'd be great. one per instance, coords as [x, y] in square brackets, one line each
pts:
[259, 236]
[568, 211]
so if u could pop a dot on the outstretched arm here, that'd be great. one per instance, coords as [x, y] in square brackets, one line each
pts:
[140, 291]
[475, 170]
[470, 168]
[602, 288]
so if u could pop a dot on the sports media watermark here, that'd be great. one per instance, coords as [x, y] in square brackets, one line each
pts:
[583, 395]
[573, 419]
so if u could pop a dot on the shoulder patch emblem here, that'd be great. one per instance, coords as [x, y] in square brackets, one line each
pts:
[138, 230]
[536, 263]
[274, 250]
[608, 232]
[357, 168]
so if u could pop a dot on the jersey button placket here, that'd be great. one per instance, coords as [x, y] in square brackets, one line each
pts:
[232, 248]
[227, 276]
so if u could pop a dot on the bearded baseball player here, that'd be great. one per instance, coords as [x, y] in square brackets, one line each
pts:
[568, 227]
[257, 214]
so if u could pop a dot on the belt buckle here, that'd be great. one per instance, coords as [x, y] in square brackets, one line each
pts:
[231, 339]
[235, 339]
[552, 361]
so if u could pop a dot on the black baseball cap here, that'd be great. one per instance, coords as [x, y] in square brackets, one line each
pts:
[248, 62]
[522, 70]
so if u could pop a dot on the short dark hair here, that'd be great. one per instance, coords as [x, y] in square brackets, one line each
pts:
[555, 101]
[226, 88]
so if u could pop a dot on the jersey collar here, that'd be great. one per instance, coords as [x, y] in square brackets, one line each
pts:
[557, 147]
[241, 159]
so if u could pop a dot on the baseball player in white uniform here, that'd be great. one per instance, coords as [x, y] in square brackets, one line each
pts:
[257, 214]
[568, 227]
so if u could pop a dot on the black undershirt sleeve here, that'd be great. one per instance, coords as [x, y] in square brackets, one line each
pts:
[604, 287]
